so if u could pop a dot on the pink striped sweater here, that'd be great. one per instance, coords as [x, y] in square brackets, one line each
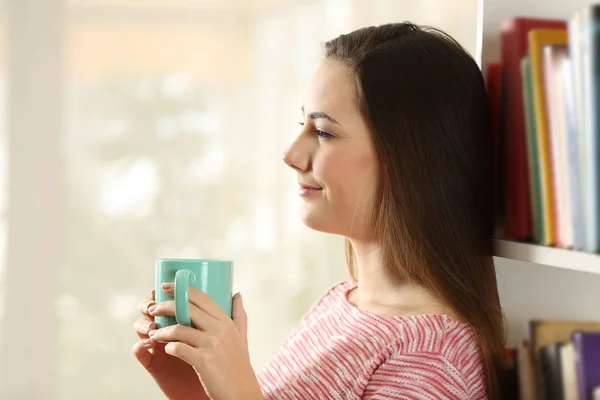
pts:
[341, 352]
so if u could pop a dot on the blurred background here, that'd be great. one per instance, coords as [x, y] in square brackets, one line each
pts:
[132, 130]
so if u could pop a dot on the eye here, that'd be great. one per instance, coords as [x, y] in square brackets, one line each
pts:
[320, 134]
[323, 135]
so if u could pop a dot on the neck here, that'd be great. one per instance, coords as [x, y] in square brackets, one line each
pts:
[381, 291]
[373, 277]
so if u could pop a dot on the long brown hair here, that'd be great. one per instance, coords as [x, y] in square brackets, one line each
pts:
[425, 100]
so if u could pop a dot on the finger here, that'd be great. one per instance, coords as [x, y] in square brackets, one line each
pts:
[200, 319]
[166, 308]
[144, 304]
[200, 300]
[180, 333]
[141, 351]
[142, 326]
[239, 316]
[183, 351]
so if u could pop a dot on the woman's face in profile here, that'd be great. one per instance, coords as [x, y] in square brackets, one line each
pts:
[334, 156]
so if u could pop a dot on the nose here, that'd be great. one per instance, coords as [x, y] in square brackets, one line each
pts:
[297, 155]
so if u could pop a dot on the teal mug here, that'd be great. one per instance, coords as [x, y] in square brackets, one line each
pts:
[213, 277]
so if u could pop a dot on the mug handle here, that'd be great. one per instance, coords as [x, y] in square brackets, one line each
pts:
[183, 279]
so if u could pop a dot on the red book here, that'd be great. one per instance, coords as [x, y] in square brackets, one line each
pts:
[513, 43]
[493, 88]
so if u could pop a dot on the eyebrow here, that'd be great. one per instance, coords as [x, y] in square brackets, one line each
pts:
[320, 114]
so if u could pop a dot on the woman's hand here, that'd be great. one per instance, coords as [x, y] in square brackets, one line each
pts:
[216, 348]
[176, 378]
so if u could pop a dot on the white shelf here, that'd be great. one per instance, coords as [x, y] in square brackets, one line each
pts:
[551, 256]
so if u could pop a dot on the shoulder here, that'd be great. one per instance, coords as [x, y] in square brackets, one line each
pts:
[436, 357]
[339, 289]
[334, 294]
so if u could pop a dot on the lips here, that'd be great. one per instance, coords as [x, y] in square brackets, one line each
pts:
[305, 190]
[309, 187]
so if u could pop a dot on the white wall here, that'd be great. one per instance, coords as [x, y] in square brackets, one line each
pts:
[538, 291]
[530, 290]
[496, 11]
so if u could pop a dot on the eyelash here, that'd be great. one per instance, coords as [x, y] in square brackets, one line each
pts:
[321, 134]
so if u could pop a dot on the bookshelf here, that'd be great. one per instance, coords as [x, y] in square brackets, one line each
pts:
[505, 250]
[548, 256]
[537, 282]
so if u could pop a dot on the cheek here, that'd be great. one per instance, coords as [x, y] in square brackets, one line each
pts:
[333, 169]
[349, 177]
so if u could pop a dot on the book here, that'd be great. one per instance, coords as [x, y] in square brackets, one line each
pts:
[573, 154]
[568, 376]
[509, 381]
[514, 46]
[543, 332]
[493, 85]
[590, 68]
[525, 371]
[587, 362]
[535, 188]
[552, 65]
[550, 382]
[537, 39]
[576, 126]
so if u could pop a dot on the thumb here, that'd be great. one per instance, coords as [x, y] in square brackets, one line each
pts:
[238, 314]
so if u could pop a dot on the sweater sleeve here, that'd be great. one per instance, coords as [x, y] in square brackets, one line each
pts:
[428, 376]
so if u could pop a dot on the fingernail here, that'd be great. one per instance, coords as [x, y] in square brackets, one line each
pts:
[167, 286]
[151, 309]
[147, 342]
[151, 326]
[151, 303]
[152, 332]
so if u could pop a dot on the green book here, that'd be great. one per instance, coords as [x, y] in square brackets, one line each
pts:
[535, 183]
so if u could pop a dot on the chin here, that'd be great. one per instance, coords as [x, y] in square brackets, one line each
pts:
[317, 220]
[324, 219]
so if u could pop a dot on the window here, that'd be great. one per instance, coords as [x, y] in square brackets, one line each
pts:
[147, 129]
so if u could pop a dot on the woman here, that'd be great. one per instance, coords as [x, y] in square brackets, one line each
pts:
[395, 154]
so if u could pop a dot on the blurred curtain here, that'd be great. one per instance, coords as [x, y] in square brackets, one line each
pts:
[135, 130]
